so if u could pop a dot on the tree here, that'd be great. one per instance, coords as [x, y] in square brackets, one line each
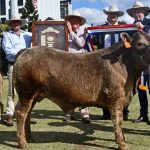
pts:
[29, 13]
[3, 27]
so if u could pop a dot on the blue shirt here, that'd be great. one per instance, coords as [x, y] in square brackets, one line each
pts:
[13, 43]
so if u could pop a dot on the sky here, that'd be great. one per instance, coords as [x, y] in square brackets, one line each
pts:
[92, 10]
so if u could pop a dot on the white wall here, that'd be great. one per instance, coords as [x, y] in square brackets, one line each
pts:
[46, 8]
[49, 8]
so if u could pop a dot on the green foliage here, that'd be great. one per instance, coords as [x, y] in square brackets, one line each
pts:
[122, 22]
[29, 13]
[3, 27]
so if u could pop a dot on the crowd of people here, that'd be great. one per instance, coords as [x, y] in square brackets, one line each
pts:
[16, 39]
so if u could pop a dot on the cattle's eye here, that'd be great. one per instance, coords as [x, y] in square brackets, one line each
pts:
[141, 44]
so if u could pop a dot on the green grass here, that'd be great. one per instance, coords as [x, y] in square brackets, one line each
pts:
[50, 133]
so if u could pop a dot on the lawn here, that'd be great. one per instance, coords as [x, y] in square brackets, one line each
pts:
[51, 133]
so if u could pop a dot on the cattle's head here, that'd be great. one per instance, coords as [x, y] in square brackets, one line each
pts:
[139, 42]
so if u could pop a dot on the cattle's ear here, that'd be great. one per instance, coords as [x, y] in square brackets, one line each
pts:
[127, 40]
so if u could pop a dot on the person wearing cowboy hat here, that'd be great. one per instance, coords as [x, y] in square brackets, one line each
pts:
[76, 26]
[113, 14]
[13, 41]
[139, 13]
[76, 29]
[107, 40]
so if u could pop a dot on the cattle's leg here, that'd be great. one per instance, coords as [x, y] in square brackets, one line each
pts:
[23, 107]
[28, 125]
[117, 119]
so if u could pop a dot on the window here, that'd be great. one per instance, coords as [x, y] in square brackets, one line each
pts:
[63, 9]
[20, 2]
[9, 13]
[3, 20]
[20, 10]
[2, 7]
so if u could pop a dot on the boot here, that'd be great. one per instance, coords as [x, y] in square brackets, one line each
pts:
[142, 119]
[8, 121]
[85, 115]
[86, 120]
[68, 118]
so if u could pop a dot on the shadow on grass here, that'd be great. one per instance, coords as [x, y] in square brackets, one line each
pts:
[47, 114]
[8, 136]
[56, 114]
[95, 119]
[83, 138]
[52, 137]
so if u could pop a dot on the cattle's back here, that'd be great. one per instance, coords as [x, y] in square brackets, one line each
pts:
[84, 77]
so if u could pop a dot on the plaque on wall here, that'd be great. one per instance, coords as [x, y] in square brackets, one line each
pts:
[50, 34]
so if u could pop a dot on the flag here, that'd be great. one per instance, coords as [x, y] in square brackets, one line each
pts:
[107, 29]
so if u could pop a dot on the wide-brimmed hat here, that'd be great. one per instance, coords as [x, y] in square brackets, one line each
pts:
[138, 5]
[76, 14]
[113, 9]
[16, 18]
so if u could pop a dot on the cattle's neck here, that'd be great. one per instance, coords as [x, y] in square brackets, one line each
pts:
[126, 57]
[138, 62]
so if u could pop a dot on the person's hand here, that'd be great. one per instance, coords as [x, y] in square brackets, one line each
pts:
[69, 27]
[139, 25]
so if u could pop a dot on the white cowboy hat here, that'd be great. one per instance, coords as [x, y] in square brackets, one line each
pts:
[16, 17]
[138, 5]
[76, 14]
[113, 9]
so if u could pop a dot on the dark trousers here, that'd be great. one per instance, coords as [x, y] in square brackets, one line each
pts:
[107, 113]
[143, 103]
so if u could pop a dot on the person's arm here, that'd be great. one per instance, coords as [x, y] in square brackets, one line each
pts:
[8, 46]
[146, 25]
[79, 40]
[28, 39]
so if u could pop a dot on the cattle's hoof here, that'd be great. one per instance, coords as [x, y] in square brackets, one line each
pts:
[23, 146]
[123, 146]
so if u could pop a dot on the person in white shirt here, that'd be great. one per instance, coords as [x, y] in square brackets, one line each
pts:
[76, 39]
[13, 41]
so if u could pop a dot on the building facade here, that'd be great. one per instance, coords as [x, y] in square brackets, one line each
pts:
[56, 9]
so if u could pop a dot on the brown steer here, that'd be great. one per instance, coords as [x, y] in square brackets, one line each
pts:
[102, 78]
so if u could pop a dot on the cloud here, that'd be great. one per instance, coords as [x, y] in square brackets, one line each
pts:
[97, 17]
[93, 16]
